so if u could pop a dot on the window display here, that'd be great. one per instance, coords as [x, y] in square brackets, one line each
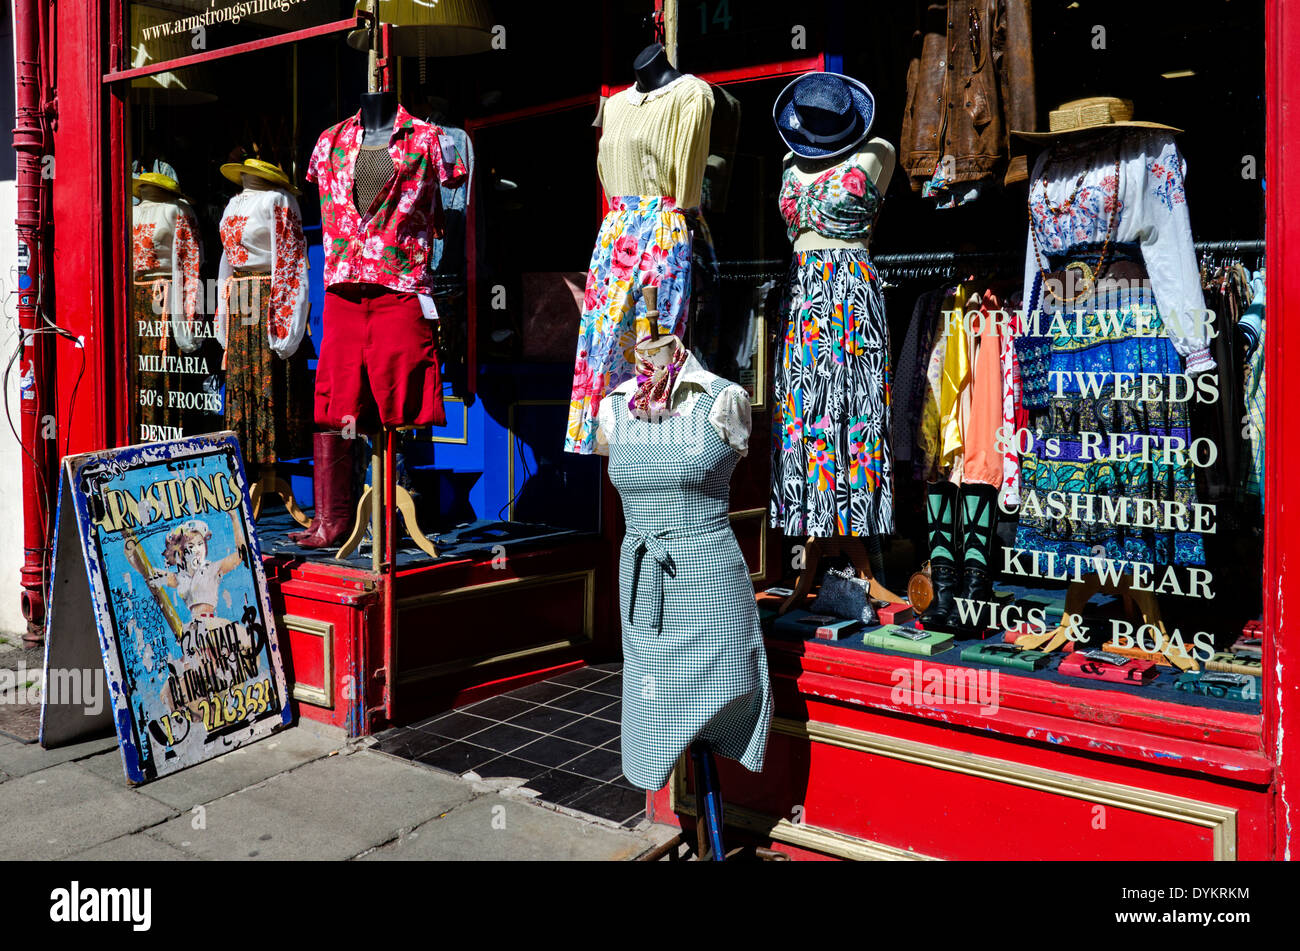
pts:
[986, 333]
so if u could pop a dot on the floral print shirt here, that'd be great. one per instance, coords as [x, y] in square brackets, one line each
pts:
[261, 231]
[165, 246]
[388, 243]
[1148, 197]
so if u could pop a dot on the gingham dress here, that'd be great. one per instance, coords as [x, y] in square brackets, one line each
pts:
[693, 659]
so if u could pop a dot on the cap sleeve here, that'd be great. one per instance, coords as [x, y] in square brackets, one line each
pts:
[605, 424]
[731, 417]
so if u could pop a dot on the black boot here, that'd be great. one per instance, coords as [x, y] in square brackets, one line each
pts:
[977, 504]
[941, 516]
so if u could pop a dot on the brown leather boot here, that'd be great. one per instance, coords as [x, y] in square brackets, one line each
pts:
[332, 491]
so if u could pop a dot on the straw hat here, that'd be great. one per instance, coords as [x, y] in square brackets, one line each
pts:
[165, 182]
[272, 173]
[1096, 112]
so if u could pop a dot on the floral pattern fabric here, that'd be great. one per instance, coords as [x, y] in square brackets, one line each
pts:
[644, 240]
[841, 202]
[261, 232]
[389, 245]
[165, 243]
[832, 468]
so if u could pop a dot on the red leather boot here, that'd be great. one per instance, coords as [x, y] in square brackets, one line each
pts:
[332, 491]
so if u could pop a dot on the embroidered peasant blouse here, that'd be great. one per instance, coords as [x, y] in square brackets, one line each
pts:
[388, 244]
[730, 414]
[657, 142]
[165, 244]
[842, 202]
[261, 231]
[1152, 213]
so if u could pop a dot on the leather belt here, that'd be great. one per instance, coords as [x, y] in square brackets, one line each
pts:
[1072, 282]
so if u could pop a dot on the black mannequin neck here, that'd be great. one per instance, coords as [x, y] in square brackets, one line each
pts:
[652, 68]
[378, 114]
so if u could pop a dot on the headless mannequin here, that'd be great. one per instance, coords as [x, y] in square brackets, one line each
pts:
[652, 68]
[878, 159]
[378, 113]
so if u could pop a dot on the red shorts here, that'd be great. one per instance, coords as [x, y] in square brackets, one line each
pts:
[378, 363]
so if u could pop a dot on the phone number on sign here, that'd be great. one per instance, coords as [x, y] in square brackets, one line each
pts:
[223, 709]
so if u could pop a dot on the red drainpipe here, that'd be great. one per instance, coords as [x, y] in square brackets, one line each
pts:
[30, 142]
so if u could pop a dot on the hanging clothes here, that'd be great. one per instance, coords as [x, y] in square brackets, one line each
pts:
[651, 162]
[261, 319]
[1143, 316]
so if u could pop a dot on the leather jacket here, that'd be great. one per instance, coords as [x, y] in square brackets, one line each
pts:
[970, 81]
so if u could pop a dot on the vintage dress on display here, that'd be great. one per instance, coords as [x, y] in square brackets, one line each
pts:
[1137, 176]
[165, 304]
[378, 358]
[651, 161]
[832, 468]
[693, 657]
[261, 318]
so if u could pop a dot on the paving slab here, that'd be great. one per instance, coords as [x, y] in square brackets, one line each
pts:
[20, 759]
[333, 808]
[55, 812]
[137, 847]
[229, 772]
[501, 828]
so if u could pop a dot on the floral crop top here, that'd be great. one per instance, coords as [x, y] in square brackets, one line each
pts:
[842, 202]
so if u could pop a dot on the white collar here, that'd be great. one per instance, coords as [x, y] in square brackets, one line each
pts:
[637, 97]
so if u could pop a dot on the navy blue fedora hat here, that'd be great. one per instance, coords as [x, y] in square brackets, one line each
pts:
[822, 115]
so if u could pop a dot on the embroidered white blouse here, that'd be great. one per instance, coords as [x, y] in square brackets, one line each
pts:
[730, 414]
[261, 231]
[1152, 213]
[165, 244]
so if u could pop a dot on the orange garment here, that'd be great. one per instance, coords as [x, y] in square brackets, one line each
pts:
[982, 459]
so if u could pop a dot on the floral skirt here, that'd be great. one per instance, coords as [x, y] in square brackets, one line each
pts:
[268, 400]
[832, 465]
[644, 240]
[1087, 443]
[155, 407]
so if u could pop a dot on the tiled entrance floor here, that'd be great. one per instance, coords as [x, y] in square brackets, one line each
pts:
[560, 735]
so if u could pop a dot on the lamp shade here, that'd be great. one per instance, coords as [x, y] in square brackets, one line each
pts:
[430, 27]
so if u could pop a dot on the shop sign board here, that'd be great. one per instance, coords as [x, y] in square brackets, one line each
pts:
[159, 622]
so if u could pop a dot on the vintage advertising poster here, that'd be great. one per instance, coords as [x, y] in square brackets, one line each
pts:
[176, 583]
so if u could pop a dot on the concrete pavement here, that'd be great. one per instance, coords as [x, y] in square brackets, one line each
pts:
[305, 793]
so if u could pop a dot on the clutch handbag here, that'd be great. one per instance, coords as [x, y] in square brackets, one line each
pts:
[920, 590]
[844, 595]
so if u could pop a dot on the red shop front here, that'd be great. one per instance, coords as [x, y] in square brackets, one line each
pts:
[525, 582]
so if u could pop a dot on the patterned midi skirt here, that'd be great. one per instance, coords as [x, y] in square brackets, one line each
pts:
[1087, 443]
[268, 400]
[832, 465]
[644, 240]
[154, 406]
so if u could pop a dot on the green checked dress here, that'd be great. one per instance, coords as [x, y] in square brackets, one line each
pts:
[693, 659]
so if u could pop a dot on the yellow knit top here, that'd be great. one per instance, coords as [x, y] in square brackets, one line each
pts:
[657, 143]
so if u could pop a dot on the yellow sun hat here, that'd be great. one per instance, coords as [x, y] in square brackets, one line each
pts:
[165, 182]
[1095, 112]
[272, 173]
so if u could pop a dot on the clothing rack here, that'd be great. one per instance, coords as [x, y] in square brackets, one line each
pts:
[911, 265]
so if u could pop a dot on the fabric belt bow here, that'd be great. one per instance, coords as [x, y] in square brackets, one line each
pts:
[651, 543]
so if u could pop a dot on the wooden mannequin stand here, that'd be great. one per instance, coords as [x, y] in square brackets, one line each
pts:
[373, 506]
[269, 482]
[1143, 603]
[848, 546]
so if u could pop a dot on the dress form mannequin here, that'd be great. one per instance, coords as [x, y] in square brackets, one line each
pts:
[652, 68]
[878, 159]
